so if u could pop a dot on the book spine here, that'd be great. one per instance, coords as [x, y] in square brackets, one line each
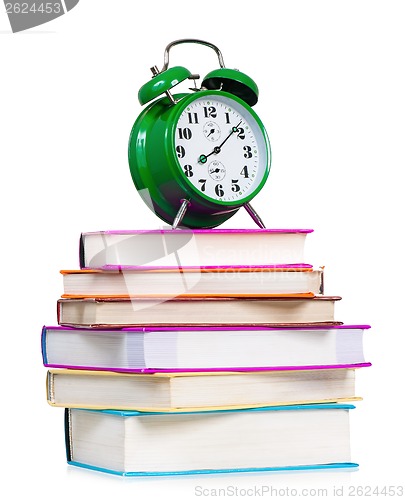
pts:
[58, 312]
[68, 441]
[49, 387]
[43, 346]
[322, 283]
[81, 252]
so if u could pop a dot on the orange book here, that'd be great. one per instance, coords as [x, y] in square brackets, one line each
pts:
[238, 281]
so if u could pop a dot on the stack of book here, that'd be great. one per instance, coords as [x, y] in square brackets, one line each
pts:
[198, 351]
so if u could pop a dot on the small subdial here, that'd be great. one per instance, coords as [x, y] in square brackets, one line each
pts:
[212, 131]
[216, 170]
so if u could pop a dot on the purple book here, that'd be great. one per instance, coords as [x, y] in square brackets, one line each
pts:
[202, 349]
[192, 248]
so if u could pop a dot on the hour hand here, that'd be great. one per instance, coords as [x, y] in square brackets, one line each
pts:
[215, 151]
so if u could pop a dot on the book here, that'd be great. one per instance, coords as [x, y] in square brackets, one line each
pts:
[195, 248]
[195, 311]
[219, 281]
[203, 348]
[189, 391]
[251, 440]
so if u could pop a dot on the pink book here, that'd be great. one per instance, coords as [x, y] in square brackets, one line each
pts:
[199, 349]
[192, 248]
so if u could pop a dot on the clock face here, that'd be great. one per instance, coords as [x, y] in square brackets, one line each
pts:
[221, 149]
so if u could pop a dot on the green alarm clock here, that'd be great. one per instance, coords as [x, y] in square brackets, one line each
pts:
[196, 158]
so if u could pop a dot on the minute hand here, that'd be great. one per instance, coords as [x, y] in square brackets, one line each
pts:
[233, 131]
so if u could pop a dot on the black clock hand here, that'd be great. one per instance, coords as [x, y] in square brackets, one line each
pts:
[233, 131]
[203, 158]
[217, 149]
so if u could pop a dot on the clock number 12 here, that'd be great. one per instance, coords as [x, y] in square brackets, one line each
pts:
[210, 112]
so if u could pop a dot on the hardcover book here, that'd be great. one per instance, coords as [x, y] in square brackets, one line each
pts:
[196, 282]
[188, 391]
[251, 440]
[204, 348]
[196, 311]
[196, 248]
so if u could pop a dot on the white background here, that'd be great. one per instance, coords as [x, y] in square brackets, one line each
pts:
[331, 79]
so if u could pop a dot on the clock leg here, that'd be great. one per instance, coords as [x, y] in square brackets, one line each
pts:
[255, 216]
[181, 213]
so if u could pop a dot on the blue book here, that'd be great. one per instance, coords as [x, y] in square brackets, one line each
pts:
[132, 443]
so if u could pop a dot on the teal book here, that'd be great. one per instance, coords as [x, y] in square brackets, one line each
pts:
[131, 443]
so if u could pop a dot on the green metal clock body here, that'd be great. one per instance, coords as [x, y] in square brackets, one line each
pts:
[209, 148]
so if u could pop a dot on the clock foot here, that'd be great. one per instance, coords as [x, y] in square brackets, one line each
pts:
[181, 213]
[255, 216]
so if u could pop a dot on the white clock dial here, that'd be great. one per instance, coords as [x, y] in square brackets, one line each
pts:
[221, 148]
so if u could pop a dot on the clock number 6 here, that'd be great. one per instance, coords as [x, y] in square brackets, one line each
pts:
[219, 191]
